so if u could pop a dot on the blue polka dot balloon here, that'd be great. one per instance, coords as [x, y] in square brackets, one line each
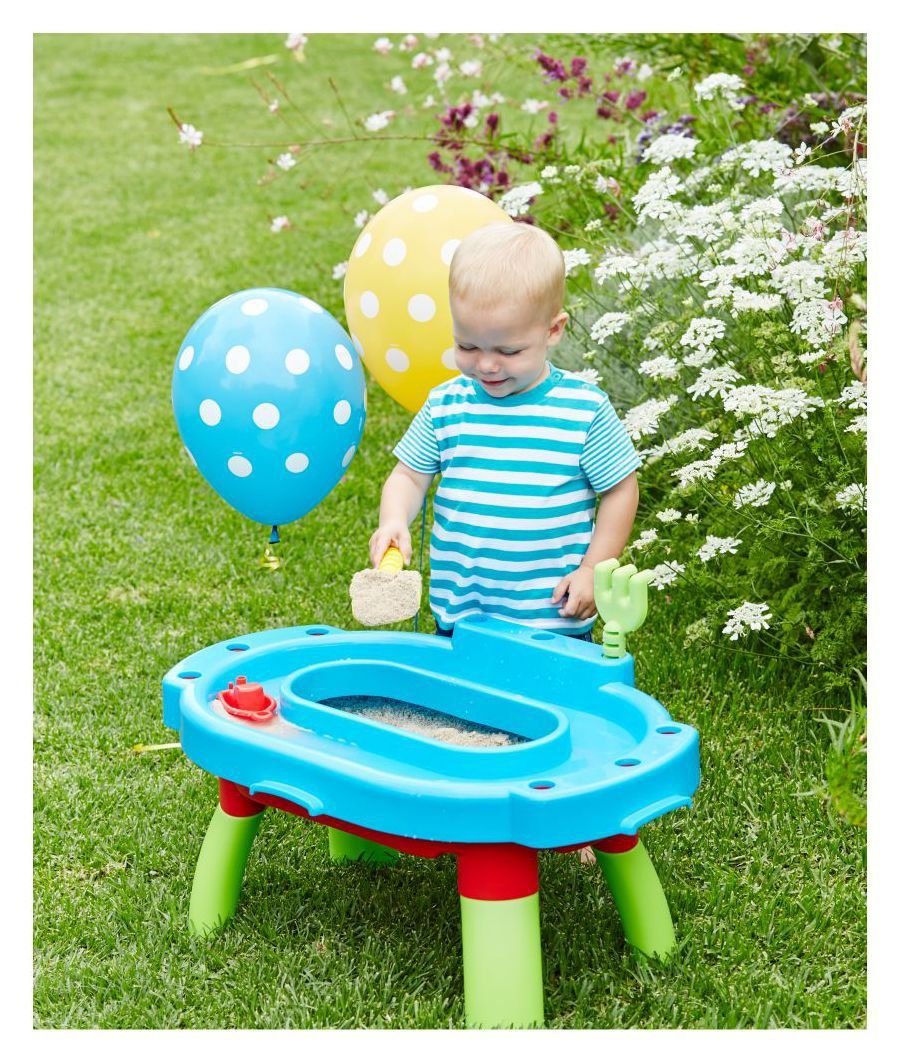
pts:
[270, 402]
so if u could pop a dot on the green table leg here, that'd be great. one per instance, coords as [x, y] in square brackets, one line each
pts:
[219, 870]
[502, 962]
[640, 899]
[343, 846]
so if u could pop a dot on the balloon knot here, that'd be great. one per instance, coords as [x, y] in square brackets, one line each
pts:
[275, 536]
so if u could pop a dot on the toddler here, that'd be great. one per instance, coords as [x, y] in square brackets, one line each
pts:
[522, 448]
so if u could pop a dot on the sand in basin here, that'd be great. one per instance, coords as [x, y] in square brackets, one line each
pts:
[423, 721]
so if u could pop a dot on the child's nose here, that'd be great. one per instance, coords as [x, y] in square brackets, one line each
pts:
[487, 363]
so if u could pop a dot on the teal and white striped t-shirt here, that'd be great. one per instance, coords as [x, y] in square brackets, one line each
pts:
[514, 506]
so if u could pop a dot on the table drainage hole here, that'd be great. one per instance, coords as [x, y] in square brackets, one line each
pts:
[423, 721]
[628, 762]
[669, 730]
[237, 647]
[189, 675]
[542, 785]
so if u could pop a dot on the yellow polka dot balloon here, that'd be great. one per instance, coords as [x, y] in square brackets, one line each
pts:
[396, 287]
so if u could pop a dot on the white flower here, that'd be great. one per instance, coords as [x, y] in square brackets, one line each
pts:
[443, 55]
[409, 42]
[479, 99]
[744, 301]
[700, 358]
[689, 441]
[191, 136]
[516, 201]
[818, 128]
[847, 247]
[361, 218]
[573, 259]
[376, 122]
[714, 381]
[645, 539]
[285, 161]
[726, 85]
[747, 616]
[380, 196]
[422, 59]
[702, 332]
[802, 153]
[669, 147]
[854, 396]
[853, 496]
[382, 46]
[644, 419]
[663, 367]
[534, 106]
[608, 324]
[429, 101]
[645, 72]
[668, 515]
[818, 321]
[756, 494]
[692, 517]
[799, 280]
[652, 200]
[339, 271]
[666, 573]
[296, 41]
[274, 106]
[594, 225]
[471, 68]
[693, 472]
[750, 399]
[673, 75]
[760, 156]
[717, 546]
[279, 223]
[549, 173]
[857, 426]
[398, 86]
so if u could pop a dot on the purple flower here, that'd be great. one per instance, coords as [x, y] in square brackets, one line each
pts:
[634, 100]
[578, 66]
[553, 117]
[612, 96]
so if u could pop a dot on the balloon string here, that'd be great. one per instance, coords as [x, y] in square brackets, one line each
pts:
[422, 542]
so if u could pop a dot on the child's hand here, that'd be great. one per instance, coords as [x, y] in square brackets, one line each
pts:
[575, 591]
[390, 533]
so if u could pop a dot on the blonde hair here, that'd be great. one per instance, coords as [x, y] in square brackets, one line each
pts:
[504, 261]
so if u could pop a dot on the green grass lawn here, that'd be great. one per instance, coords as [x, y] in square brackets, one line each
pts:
[138, 563]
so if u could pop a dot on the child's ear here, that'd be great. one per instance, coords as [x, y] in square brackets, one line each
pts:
[556, 328]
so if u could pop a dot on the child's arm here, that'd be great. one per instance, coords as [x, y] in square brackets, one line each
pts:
[614, 521]
[401, 498]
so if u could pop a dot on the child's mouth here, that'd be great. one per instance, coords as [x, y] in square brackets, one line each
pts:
[493, 382]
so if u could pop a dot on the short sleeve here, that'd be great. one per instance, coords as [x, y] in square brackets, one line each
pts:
[608, 453]
[418, 448]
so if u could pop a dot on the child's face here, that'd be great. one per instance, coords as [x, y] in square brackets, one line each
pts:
[503, 347]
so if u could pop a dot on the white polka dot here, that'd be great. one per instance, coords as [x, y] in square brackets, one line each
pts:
[296, 462]
[344, 357]
[239, 466]
[447, 359]
[210, 411]
[368, 303]
[266, 415]
[395, 251]
[365, 241]
[255, 307]
[237, 359]
[186, 358]
[297, 362]
[358, 346]
[397, 359]
[421, 307]
[313, 307]
[348, 456]
[447, 251]
[342, 412]
[425, 203]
